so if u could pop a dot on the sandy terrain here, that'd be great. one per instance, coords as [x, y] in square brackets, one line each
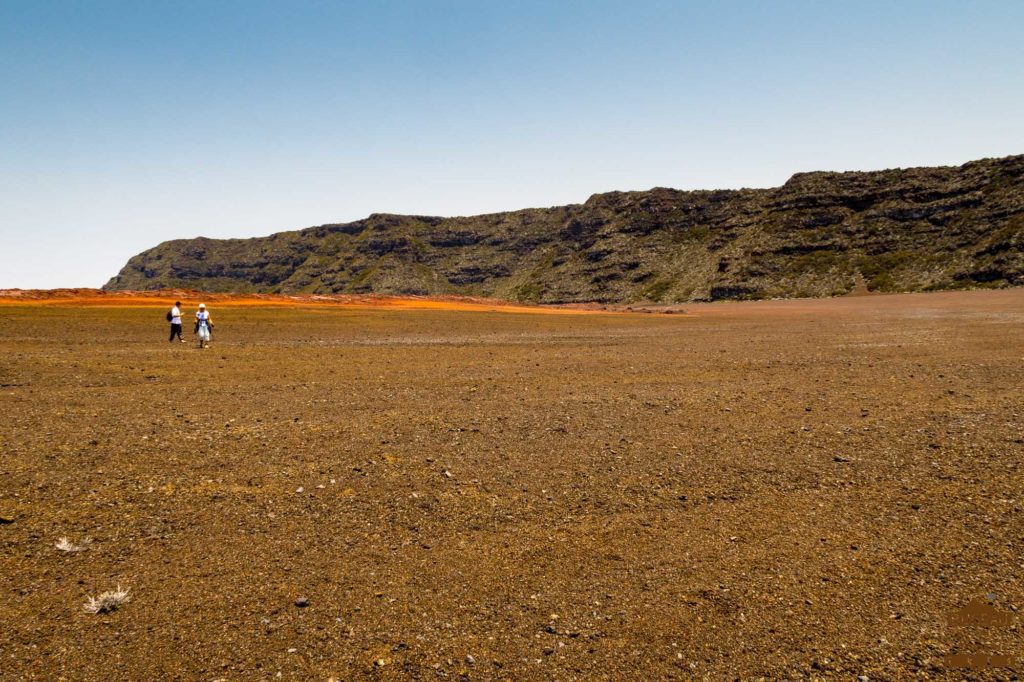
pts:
[81, 298]
[779, 489]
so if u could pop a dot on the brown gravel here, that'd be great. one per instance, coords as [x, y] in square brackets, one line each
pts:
[779, 489]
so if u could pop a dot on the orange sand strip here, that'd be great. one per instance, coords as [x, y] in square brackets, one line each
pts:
[163, 298]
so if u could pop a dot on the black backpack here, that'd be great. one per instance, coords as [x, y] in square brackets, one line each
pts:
[169, 317]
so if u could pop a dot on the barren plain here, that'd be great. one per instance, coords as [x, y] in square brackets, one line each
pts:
[801, 489]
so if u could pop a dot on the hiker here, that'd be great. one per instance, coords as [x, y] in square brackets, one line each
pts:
[204, 325]
[174, 317]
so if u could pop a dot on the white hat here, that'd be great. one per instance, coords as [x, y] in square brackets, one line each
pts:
[202, 305]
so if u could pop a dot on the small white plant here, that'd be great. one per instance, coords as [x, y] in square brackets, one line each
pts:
[108, 601]
[65, 545]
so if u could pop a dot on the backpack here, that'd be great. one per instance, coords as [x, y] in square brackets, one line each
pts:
[169, 317]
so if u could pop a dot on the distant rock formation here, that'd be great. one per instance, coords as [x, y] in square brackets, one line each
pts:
[912, 229]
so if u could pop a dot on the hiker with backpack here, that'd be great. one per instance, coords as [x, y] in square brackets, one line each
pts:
[204, 326]
[174, 317]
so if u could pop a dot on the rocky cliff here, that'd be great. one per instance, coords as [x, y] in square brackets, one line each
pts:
[895, 230]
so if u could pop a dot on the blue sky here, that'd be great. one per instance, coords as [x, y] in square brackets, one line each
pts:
[124, 124]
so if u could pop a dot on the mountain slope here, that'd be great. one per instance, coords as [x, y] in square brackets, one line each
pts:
[901, 230]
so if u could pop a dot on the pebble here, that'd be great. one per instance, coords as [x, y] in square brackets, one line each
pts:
[300, 489]
[470, 659]
[302, 602]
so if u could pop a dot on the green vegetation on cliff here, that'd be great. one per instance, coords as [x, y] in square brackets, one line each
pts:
[902, 230]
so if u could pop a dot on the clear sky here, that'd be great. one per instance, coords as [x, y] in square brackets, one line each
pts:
[124, 124]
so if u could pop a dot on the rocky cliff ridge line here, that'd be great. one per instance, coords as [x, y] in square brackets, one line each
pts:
[896, 230]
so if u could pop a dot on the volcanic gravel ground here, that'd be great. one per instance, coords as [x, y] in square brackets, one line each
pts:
[781, 489]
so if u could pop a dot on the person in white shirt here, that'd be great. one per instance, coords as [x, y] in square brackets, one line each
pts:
[204, 325]
[175, 319]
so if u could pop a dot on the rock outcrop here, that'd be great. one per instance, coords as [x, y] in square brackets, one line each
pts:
[900, 230]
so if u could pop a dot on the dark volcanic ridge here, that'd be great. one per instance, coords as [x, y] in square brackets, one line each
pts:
[820, 234]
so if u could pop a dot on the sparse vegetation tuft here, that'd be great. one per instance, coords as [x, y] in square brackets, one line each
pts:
[657, 290]
[878, 269]
[65, 545]
[108, 601]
